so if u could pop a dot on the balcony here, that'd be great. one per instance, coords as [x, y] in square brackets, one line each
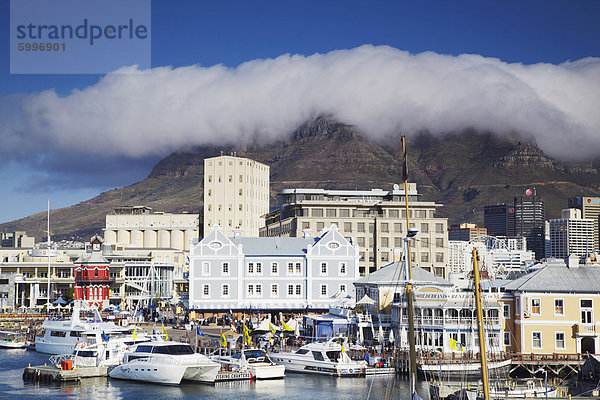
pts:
[581, 329]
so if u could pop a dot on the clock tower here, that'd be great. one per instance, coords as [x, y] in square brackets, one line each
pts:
[92, 277]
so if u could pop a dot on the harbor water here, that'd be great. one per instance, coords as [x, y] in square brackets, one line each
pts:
[293, 387]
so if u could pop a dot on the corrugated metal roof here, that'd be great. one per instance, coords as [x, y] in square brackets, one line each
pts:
[395, 273]
[556, 278]
[262, 246]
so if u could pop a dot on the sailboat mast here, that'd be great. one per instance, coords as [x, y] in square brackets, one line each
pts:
[48, 252]
[409, 288]
[482, 351]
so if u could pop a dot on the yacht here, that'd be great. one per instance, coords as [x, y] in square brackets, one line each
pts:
[167, 363]
[12, 340]
[64, 337]
[255, 361]
[324, 357]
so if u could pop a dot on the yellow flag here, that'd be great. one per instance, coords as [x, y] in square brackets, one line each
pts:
[272, 328]
[223, 340]
[134, 332]
[247, 335]
[286, 327]
[165, 332]
[456, 345]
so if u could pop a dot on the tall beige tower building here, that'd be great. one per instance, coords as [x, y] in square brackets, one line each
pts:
[236, 194]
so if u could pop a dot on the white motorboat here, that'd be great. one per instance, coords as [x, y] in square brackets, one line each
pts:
[325, 357]
[102, 354]
[167, 363]
[255, 361]
[63, 337]
[500, 389]
[12, 340]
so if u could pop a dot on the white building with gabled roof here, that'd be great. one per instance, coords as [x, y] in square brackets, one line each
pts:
[271, 273]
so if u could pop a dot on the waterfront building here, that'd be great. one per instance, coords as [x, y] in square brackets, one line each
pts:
[466, 232]
[590, 209]
[375, 218]
[236, 194]
[139, 226]
[460, 256]
[554, 309]
[92, 279]
[499, 220]
[18, 239]
[571, 234]
[274, 274]
[7, 291]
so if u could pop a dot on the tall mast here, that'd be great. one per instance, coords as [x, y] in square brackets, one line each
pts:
[482, 351]
[48, 252]
[409, 288]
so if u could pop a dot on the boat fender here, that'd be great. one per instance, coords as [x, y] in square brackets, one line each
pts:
[83, 344]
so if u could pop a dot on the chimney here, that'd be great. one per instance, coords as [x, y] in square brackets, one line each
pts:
[307, 233]
[237, 232]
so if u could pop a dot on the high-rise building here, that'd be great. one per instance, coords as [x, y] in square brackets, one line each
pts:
[590, 209]
[236, 194]
[375, 218]
[571, 234]
[466, 232]
[530, 223]
[499, 220]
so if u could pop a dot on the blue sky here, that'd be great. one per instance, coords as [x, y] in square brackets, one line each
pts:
[233, 32]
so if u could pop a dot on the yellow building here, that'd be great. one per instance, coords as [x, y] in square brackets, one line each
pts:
[555, 309]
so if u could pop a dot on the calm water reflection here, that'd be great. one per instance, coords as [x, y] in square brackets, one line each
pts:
[294, 386]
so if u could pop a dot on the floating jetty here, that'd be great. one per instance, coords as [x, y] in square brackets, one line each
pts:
[233, 376]
[51, 374]
[380, 371]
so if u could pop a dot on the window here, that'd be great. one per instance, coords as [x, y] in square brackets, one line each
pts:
[274, 268]
[96, 272]
[424, 242]
[258, 290]
[559, 340]
[274, 290]
[385, 242]
[250, 268]
[343, 268]
[230, 178]
[225, 268]
[298, 290]
[259, 268]
[385, 227]
[559, 307]
[323, 290]
[320, 226]
[536, 340]
[439, 228]
[225, 291]
[397, 242]
[397, 227]
[424, 257]
[210, 178]
[205, 290]
[517, 305]
[250, 290]
[347, 226]
[506, 311]
[343, 288]
[205, 269]
[323, 268]
[439, 242]
[424, 227]
[360, 241]
[330, 212]
[586, 311]
[299, 268]
[507, 338]
[290, 290]
[536, 306]
[393, 213]
[371, 228]
[439, 257]
[360, 226]
[317, 212]
[344, 213]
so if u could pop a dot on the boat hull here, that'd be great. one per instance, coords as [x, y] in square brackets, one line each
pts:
[13, 345]
[202, 373]
[462, 370]
[296, 364]
[148, 372]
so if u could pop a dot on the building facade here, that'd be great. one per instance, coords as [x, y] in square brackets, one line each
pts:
[271, 273]
[555, 310]
[139, 226]
[375, 218]
[466, 232]
[499, 220]
[571, 234]
[236, 194]
[92, 278]
[530, 223]
[590, 209]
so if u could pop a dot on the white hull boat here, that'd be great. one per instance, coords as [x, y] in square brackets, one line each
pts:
[255, 361]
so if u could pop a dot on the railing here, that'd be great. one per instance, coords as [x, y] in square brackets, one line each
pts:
[581, 328]
[555, 357]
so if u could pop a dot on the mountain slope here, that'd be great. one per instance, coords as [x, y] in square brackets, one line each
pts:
[463, 170]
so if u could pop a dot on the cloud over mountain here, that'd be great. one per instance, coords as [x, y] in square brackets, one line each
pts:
[380, 89]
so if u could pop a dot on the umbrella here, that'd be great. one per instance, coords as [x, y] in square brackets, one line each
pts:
[380, 336]
[403, 338]
[391, 337]
[361, 340]
[60, 301]
[366, 300]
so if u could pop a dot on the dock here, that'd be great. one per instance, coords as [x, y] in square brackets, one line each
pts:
[233, 376]
[51, 374]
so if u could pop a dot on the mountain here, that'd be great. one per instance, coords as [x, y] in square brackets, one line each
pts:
[464, 171]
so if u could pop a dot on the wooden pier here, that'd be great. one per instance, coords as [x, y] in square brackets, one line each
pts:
[52, 374]
[555, 364]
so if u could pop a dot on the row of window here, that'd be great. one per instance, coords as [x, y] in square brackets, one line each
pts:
[536, 340]
[388, 256]
[256, 268]
[256, 290]
[585, 307]
[384, 227]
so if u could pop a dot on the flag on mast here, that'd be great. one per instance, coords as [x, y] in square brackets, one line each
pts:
[134, 332]
[223, 340]
[165, 332]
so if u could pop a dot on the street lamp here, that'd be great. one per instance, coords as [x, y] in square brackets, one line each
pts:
[542, 369]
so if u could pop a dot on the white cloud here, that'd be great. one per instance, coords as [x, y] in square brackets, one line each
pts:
[380, 89]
